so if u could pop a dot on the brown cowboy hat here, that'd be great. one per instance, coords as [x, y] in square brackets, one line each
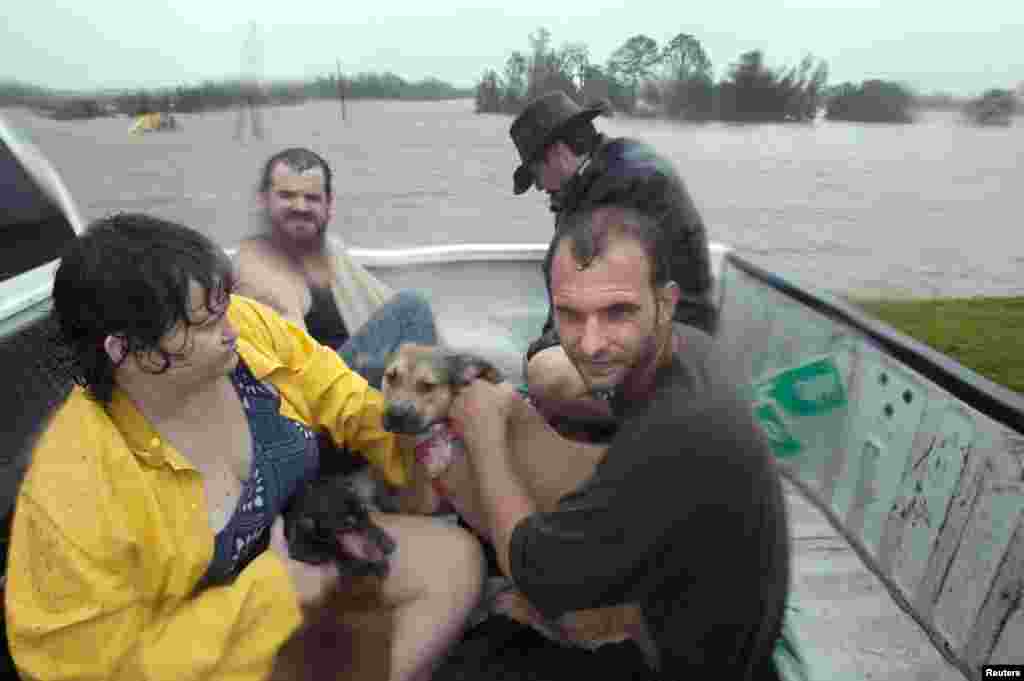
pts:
[539, 124]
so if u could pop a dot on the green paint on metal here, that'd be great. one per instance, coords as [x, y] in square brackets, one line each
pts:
[774, 425]
[810, 389]
[813, 388]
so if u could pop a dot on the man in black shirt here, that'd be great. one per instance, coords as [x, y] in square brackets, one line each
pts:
[684, 514]
[564, 155]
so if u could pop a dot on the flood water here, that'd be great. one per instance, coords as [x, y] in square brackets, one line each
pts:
[932, 208]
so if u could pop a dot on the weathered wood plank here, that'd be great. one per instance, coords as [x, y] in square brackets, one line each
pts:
[986, 540]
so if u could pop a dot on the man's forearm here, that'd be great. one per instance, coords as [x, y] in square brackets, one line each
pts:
[503, 495]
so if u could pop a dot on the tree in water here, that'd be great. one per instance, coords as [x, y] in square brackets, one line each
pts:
[635, 61]
[575, 59]
[689, 90]
[488, 93]
[684, 58]
[873, 101]
[517, 81]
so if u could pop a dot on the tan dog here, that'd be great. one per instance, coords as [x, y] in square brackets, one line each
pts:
[419, 385]
[420, 382]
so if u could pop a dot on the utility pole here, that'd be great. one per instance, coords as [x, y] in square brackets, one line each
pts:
[341, 92]
[251, 83]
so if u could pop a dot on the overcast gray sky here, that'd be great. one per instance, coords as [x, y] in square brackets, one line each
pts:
[960, 47]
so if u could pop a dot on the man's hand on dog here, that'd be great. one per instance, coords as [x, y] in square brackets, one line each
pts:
[480, 412]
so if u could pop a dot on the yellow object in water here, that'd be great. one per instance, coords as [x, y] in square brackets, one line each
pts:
[154, 121]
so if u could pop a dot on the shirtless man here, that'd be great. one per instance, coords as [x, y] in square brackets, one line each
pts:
[292, 268]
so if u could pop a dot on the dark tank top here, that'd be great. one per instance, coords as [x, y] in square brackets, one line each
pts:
[323, 321]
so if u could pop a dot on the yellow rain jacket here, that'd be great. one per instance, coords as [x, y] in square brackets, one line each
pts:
[110, 534]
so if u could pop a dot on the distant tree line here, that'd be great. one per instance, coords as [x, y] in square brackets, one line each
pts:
[873, 101]
[939, 101]
[676, 81]
[218, 95]
[994, 107]
[644, 78]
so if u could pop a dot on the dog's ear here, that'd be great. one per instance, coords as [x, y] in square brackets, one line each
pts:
[464, 368]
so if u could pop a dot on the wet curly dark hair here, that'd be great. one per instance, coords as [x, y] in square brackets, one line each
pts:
[128, 275]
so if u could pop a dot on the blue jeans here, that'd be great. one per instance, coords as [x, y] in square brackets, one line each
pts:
[405, 318]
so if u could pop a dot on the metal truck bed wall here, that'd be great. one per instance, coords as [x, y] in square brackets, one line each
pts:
[916, 460]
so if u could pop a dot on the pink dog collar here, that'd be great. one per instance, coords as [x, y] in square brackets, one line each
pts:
[436, 448]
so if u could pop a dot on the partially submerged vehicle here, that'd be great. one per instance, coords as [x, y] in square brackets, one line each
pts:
[905, 470]
[155, 122]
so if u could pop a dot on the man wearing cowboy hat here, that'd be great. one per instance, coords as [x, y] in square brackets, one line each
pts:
[563, 154]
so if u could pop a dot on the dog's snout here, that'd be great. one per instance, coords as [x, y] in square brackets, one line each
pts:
[401, 410]
[401, 417]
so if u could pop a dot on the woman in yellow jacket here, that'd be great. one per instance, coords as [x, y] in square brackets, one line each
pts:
[139, 545]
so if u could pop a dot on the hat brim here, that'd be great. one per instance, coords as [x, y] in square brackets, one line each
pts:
[523, 178]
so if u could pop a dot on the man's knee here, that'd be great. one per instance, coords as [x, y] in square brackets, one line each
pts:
[466, 558]
[413, 303]
[414, 309]
[433, 558]
[550, 375]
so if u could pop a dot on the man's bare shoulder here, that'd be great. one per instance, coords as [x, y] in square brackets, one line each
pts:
[266, 275]
[258, 250]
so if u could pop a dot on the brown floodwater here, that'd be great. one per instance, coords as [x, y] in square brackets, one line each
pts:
[929, 208]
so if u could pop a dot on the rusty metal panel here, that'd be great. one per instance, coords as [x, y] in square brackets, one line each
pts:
[996, 515]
